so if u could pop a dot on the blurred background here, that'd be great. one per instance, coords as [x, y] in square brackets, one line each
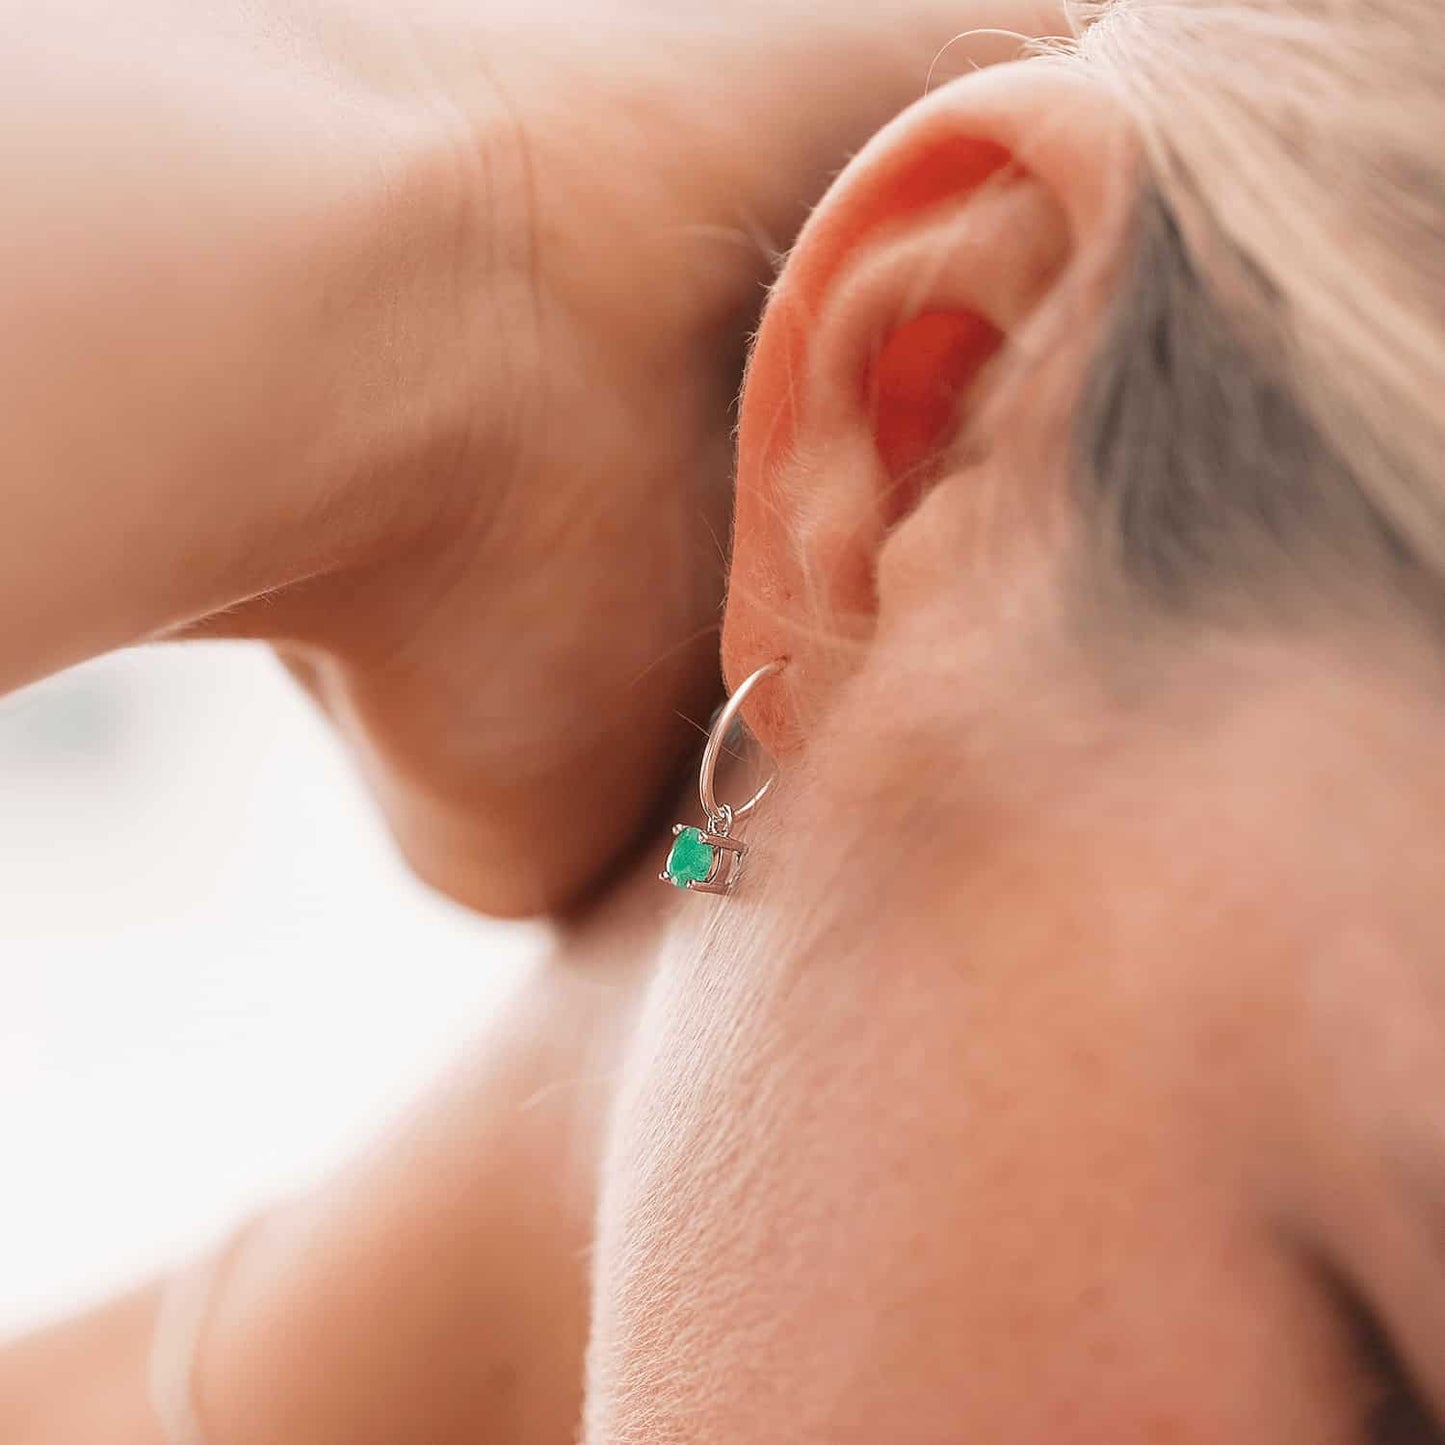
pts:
[216, 977]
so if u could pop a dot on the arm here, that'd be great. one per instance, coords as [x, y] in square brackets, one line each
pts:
[409, 345]
[228, 305]
[406, 336]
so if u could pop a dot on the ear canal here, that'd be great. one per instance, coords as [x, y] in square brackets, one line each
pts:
[914, 384]
[902, 341]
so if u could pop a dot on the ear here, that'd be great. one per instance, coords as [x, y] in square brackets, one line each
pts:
[921, 279]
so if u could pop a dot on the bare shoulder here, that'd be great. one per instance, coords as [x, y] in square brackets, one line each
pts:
[439, 1289]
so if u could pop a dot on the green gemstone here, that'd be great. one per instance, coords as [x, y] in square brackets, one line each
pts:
[690, 860]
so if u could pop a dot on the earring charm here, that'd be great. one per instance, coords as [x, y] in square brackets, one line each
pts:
[709, 860]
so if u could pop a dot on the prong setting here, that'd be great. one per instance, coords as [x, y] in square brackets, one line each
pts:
[703, 860]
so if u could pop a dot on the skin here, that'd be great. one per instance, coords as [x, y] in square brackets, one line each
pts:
[1073, 1054]
[353, 373]
[309, 390]
[1054, 1080]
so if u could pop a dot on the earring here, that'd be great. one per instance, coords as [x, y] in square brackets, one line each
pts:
[710, 860]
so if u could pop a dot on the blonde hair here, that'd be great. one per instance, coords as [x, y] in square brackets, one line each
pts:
[1271, 402]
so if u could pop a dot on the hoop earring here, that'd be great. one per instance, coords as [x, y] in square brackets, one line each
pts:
[710, 860]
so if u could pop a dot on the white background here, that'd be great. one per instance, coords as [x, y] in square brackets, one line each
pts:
[216, 978]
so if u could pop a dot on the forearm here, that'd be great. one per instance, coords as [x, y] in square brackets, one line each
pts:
[232, 283]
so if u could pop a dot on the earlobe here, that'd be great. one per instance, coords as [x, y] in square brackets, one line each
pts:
[929, 260]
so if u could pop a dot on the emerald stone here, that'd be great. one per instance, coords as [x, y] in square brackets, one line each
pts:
[690, 860]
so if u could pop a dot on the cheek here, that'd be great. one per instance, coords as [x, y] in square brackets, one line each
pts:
[864, 1188]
